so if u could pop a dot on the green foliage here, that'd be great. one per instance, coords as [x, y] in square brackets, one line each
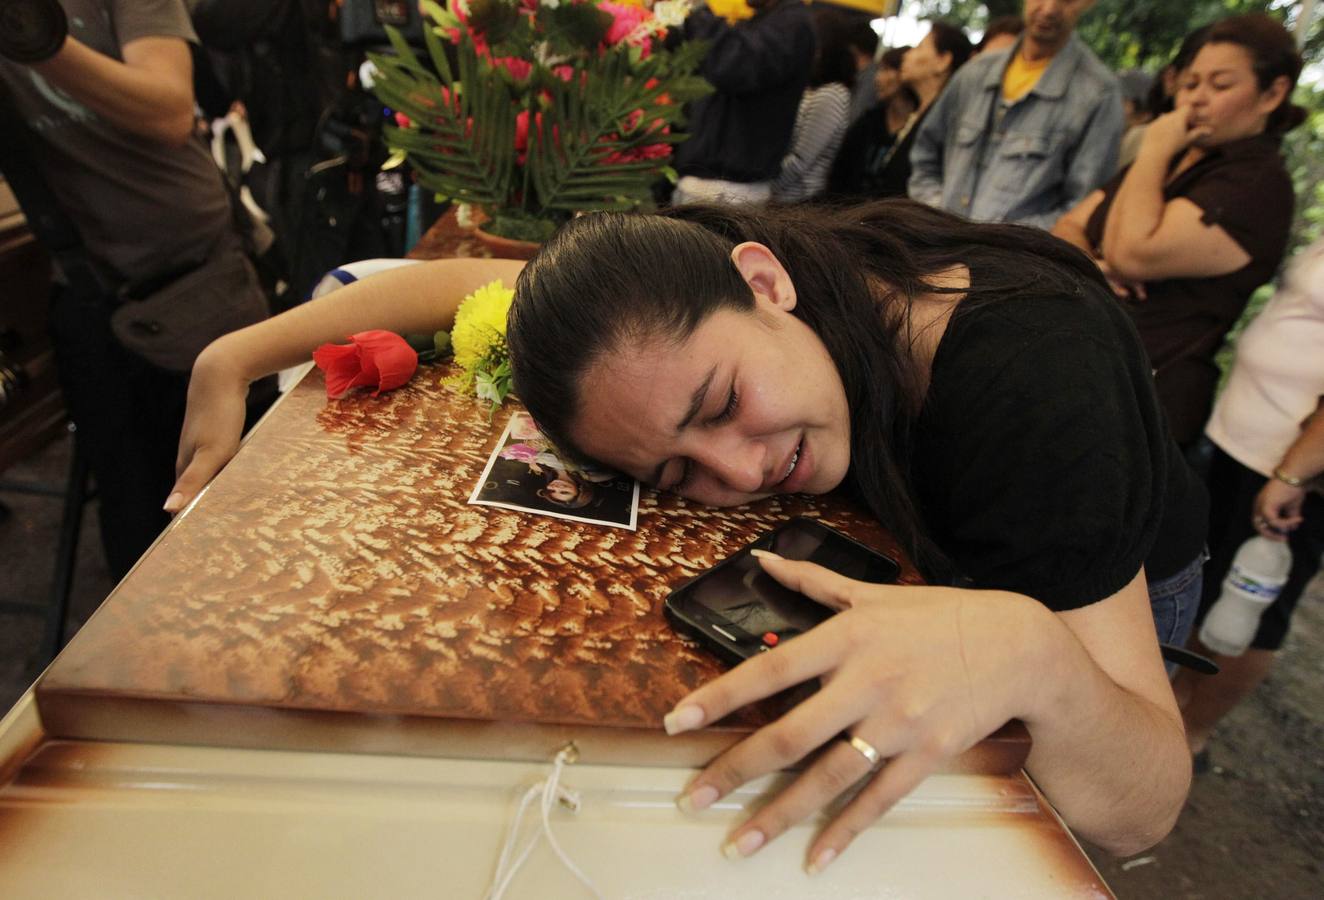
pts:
[1127, 34]
[565, 124]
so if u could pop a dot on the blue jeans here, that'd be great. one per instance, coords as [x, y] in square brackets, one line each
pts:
[1174, 602]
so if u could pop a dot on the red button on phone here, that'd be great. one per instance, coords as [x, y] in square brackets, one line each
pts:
[770, 639]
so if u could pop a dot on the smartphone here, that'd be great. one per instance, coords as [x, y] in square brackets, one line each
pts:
[737, 610]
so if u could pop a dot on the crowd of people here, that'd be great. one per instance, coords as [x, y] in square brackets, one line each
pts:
[919, 274]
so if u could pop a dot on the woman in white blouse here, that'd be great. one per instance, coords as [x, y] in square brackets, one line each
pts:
[1267, 428]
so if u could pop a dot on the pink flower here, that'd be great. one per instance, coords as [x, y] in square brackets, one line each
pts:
[379, 359]
[519, 69]
[402, 120]
[521, 136]
[624, 20]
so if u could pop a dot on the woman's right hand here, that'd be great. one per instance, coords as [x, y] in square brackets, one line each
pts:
[213, 425]
[1278, 509]
[1127, 290]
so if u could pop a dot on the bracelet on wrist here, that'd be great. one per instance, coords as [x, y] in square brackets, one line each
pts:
[1292, 480]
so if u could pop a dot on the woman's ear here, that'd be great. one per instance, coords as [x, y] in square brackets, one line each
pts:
[765, 274]
[1272, 97]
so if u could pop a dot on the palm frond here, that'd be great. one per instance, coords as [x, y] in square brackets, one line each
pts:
[596, 140]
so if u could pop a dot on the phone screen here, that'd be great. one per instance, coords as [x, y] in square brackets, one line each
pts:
[740, 593]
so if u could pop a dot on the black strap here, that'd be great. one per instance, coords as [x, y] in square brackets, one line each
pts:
[48, 221]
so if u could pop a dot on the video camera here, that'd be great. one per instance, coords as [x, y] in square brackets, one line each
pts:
[31, 30]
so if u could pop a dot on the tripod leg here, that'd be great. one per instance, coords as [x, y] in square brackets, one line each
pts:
[75, 499]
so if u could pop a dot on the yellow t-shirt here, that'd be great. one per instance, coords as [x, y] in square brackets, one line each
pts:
[1021, 76]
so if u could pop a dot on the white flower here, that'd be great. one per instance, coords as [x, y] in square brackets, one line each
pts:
[670, 13]
[550, 4]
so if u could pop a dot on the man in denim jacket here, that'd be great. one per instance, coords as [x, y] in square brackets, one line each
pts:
[1024, 134]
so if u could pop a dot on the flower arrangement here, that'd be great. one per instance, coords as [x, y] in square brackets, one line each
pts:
[533, 110]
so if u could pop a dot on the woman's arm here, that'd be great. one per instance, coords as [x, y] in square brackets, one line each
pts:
[1071, 227]
[1147, 238]
[409, 299]
[1109, 746]
[924, 673]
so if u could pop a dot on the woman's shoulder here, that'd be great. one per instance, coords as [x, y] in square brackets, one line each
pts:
[1008, 325]
[828, 97]
[1032, 344]
[1253, 169]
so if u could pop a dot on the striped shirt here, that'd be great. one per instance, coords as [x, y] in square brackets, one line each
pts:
[820, 126]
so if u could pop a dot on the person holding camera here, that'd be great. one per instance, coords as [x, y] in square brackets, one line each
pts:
[104, 89]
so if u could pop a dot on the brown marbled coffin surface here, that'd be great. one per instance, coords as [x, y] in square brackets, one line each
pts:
[332, 589]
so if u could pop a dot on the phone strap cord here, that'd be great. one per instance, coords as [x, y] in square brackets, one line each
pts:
[548, 792]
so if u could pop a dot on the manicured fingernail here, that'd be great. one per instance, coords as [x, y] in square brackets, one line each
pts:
[744, 845]
[821, 862]
[682, 718]
[765, 554]
[698, 799]
[174, 502]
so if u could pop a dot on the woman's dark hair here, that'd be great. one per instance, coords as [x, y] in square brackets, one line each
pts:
[891, 58]
[949, 38]
[1160, 100]
[1011, 24]
[861, 37]
[833, 60]
[611, 280]
[1273, 55]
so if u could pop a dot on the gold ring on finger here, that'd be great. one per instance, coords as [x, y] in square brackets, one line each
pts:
[865, 749]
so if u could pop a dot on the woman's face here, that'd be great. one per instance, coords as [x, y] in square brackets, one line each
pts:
[1221, 93]
[747, 406]
[886, 82]
[924, 61]
[562, 491]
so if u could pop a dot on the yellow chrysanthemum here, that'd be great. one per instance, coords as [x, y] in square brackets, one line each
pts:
[479, 334]
[731, 10]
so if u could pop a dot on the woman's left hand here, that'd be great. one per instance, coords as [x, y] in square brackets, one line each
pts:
[918, 673]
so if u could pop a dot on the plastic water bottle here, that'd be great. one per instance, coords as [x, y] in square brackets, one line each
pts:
[1258, 574]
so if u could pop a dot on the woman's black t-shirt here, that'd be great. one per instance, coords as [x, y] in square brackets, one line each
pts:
[1042, 460]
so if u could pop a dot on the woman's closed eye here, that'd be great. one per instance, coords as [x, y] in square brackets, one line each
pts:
[686, 477]
[687, 465]
[728, 411]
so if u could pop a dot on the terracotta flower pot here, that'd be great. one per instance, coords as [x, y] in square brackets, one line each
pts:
[506, 248]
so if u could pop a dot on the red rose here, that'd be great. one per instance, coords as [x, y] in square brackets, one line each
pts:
[379, 359]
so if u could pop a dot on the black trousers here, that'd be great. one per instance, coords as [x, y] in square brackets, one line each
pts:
[128, 414]
[1232, 492]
